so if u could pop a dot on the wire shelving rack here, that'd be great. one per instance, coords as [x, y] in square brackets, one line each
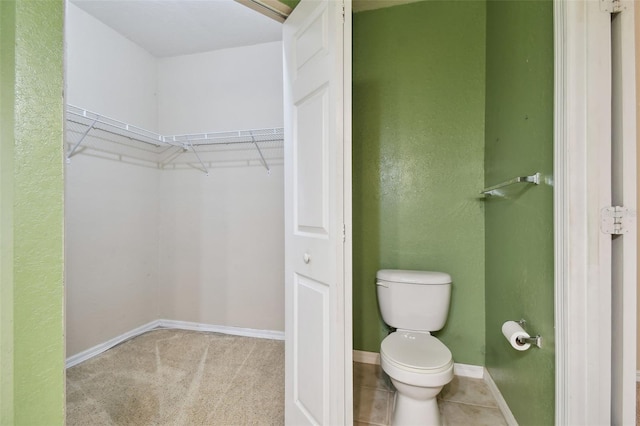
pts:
[94, 134]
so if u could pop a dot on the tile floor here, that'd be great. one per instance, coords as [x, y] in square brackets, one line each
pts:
[638, 403]
[462, 402]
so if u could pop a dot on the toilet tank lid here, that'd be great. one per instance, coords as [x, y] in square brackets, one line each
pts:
[413, 277]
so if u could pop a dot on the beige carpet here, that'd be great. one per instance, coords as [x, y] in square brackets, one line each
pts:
[177, 377]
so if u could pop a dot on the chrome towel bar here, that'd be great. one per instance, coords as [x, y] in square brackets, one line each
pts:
[534, 179]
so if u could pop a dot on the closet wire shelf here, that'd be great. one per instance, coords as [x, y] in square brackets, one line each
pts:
[104, 137]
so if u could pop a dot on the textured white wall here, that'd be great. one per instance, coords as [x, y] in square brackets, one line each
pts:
[229, 89]
[111, 245]
[218, 238]
[107, 73]
[221, 238]
[221, 252]
[111, 208]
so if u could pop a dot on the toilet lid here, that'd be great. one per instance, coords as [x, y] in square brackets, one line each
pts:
[416, 350]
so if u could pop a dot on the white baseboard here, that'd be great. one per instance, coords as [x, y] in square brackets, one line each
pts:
[365, 357]
[502, 404]
[235, 331]
[171, 324]
[98, 349]
[468, 370]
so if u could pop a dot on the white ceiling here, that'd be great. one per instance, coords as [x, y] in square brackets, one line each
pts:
[181, 27]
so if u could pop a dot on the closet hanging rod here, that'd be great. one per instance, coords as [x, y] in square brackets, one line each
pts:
[534, 179]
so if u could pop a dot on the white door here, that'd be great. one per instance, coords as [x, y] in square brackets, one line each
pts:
[317, 98]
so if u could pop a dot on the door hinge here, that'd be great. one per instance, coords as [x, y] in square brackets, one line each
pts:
[344, 232]
[612, 6]
[615, 220]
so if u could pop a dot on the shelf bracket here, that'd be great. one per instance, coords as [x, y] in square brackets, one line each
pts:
[264, 162]
[204, 168]
[84, 135]
[534, 179]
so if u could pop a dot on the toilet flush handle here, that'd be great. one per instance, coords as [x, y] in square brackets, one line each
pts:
[382, 284]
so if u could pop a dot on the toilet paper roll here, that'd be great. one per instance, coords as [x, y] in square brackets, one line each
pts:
[512, 330]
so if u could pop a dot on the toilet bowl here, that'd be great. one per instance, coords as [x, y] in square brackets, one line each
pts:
[418, 364]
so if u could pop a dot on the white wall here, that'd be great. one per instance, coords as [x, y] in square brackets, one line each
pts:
[221, 241]
[107, 73]
[229, 89]
[142, 243]
[111, 240]
[111, 222]
[221, 256]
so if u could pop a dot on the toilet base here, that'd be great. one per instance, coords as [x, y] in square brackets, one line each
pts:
[411, 412]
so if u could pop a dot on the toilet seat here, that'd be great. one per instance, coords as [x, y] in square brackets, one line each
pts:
[418, 352]
[417, 359]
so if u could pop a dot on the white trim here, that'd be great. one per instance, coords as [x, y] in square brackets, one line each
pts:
[235, 331]
[560, 208]
[273, 9]
[502, 404]
[582, 171]
[171, 324]
[98, 349]
[468, 370]
[365, 357]
[347, 206]
[624, 249]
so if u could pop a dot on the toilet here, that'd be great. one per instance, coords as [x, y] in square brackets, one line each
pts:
[415, 303]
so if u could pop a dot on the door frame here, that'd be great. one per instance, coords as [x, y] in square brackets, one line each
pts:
[347, 111]
[582, 270]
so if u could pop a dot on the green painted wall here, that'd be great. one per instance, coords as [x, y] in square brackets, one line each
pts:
[291, 3]
[519, 226]
[7, 83]
[418, 149]
[31, 213]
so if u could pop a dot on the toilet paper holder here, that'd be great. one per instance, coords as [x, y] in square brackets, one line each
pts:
[533, 340]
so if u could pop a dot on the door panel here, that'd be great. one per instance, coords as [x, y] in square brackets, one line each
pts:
[311, 168]
[310, 345]
[312, 41]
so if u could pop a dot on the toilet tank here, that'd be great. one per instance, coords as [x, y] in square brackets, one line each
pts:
[413, 300]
